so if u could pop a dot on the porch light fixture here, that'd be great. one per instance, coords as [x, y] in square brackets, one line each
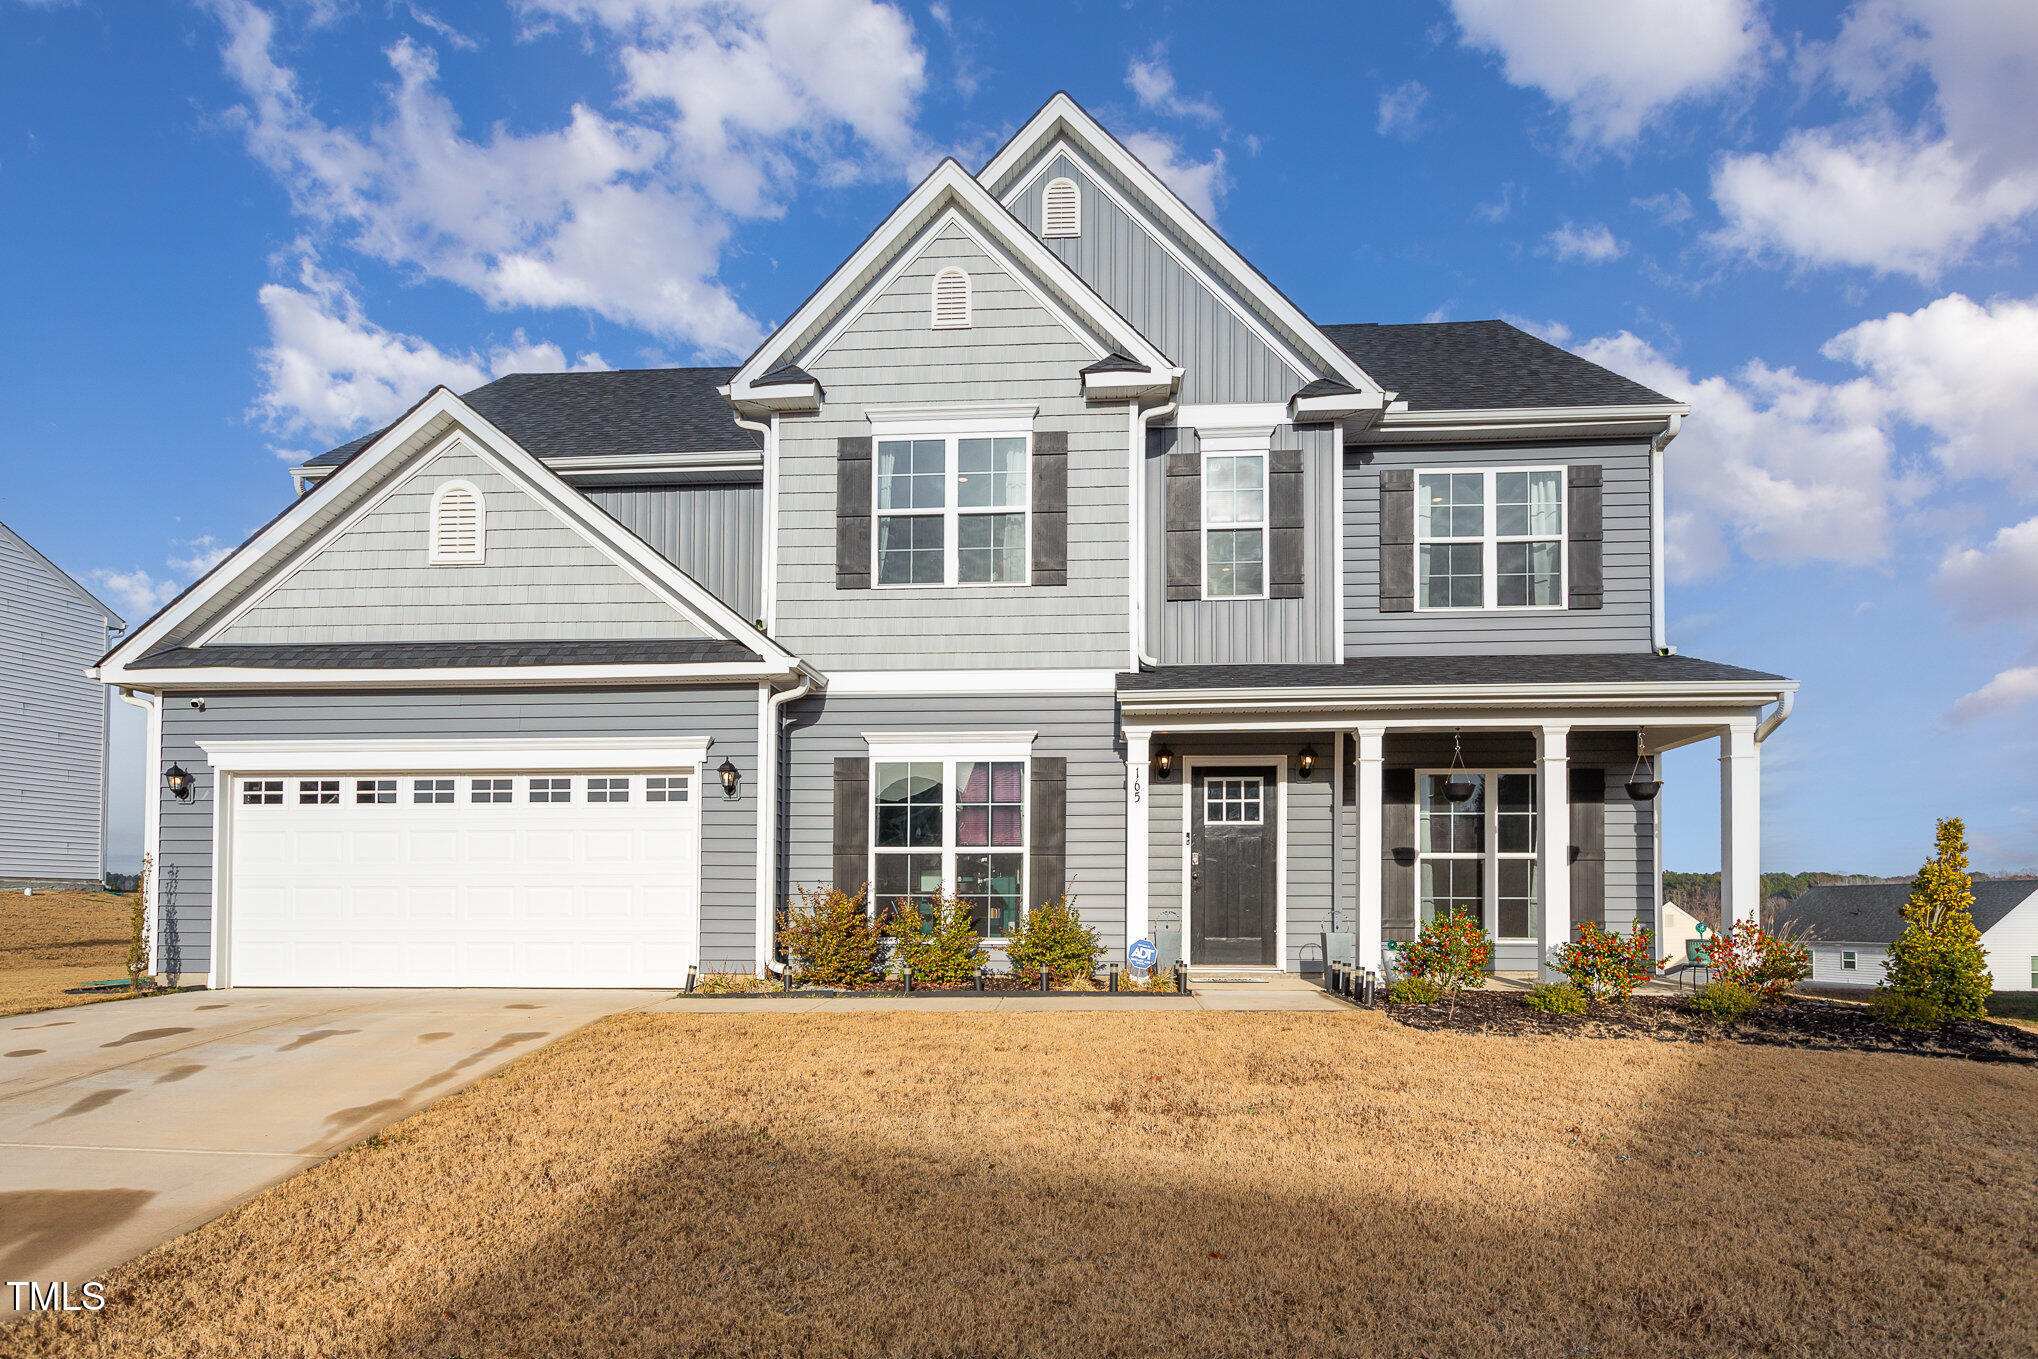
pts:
[1643, 787]
[730, 778]
[1163, 763]
[1458, 785]
[1305, 763]
[180, 782]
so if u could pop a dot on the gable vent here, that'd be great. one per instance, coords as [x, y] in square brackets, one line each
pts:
[1062, 211]
[456, 523]
[951, 300]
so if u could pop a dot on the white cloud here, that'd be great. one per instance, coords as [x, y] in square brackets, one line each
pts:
[136, 593]
[1510, 194]
[1614, 67]
[1200, 184]
[1669, 209]
[205, 552]
[330, 371]
[1592, 243]
[1994, 583]
[1401, 109]
[1153, 83]
[2008, 692]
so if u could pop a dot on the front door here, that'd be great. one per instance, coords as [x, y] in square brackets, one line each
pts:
[1233, 839]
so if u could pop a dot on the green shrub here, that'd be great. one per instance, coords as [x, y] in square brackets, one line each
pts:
[138, 929]
[1939, 956]
[1903, 1011]
[1053, 936]
[1723, 1000]
[1603, 965]
[942, 946]
[1557, 998]
[1453, 952]
[831, 939]
[1414, 991]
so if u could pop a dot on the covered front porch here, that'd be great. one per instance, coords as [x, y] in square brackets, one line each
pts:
[1289, 814]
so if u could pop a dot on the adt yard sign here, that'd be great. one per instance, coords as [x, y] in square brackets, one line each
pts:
[1142, 954]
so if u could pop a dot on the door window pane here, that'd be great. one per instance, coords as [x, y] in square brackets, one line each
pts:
[1449, 827]
[552, 790]
[318, 791]
[374, 790]
[1516, 881]
[1454, 884]
[1517, 830]
[431, 790]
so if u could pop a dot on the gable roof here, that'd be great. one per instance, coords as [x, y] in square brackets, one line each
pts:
[62, 577]
[1872, 912]
[1483, 365]
[619, 413]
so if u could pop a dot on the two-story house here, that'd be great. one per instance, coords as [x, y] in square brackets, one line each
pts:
[1048, 547]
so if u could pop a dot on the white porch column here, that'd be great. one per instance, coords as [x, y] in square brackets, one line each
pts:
[1138, 852]
[1372, 808]
[1553, 841]
[1740, 825]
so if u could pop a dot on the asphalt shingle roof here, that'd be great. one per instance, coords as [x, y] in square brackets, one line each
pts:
[1872, 912]
[425, 655]
[1637, 667]
[1481, 365]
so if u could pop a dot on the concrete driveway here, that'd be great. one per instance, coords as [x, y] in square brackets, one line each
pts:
[125, 1124]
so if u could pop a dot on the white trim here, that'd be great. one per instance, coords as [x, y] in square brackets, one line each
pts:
[1533, 422]
[1491, 538]
[933, 419]
[436, 756]
[1234, 444]
[1337, 558]
[437, 553]
[1553, 843]
[942, 313]
[952, 511]
[1190, 764]
[614, 465]
[1138, 836]
[1234, 417]
[1424, 695]
[1013, 682]
[506, 677]
[948, 756]
[1490, 857]
[1369, 927]
[152, 819]
[939, 745]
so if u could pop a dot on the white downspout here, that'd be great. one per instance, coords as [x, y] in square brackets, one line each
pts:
[1658, 631]
[770, 735]
[152, 811]
[1142, 422]
[1784, 703]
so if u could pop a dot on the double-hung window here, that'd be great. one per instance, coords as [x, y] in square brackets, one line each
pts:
[1479, 855]
[1490, 539]
[1234, 517]
[954, 824]
[952, 507]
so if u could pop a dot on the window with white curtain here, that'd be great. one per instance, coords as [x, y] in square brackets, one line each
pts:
[1479, 855]
[951, 509]
[1490, 539]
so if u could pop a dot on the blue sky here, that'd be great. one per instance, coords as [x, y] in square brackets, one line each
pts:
[234, 232]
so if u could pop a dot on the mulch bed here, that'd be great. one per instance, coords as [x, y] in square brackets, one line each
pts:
[1824, 1026]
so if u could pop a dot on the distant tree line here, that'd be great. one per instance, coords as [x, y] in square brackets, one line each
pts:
[1698, 894]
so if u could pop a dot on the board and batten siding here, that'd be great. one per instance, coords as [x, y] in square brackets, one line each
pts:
[712, 530]
[1621, 625]
[1013, 351]
[52, 726]
[1121, 256]
[728, 714]
[373, 581]
[1248, 631]
[1081, 728]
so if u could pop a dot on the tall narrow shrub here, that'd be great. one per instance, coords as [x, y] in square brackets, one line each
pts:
[1939, 956]
[138, 929]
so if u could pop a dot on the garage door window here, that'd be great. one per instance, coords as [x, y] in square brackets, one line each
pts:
[608, 790]
[371, 791]
[315, 791]
[665, 788]
[490, 790]
[431, 790]
[262, 792]
[551, 790]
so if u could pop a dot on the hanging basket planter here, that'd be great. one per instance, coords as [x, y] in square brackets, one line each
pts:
[1458, 785]
[1643, 785]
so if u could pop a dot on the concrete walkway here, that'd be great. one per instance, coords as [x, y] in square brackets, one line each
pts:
[1231, 990]
[125, 1124]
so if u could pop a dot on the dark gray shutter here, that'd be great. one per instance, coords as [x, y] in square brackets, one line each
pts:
[852, 513]
[1185, 518]
[1397, 855]
[852, 822]
[1050, 828]
[1397, 540]
[1284, 523]
[1051, 507]
[1588, 847]
[1587, 537]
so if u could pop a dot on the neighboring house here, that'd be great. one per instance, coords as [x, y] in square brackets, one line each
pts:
[1678, 936]
[1849, 928]
[53, 719]
[1048, 547]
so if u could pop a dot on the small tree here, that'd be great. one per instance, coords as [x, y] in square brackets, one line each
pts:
[831, 939]
[941, 946]
[1453, 951]
[1603, 965]
[138, 929]
[1939, 956]
[1053, 936]
[1764, 965]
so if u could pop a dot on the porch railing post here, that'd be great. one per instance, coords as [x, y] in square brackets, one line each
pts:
[1138, 853]
[1740, 825]
[1553, 843]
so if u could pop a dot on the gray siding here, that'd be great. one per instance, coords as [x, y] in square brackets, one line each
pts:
[712, 530]
[52, 725]
[540, 579]
[1622, 625]
[1079, 728]
[1014, 351]
[1243, 631]
[728, 826]
[1121, 256]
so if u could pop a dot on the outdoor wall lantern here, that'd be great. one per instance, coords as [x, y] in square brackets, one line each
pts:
[1163, 763]
[1305, 763]
[730, 778]
[1643, 785]
[180, 781]
[1458, 786]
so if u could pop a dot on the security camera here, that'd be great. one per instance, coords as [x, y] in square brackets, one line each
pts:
[198, 703]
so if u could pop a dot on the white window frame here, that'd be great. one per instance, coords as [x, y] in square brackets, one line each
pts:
[1241, 443]
[437, 554]
[1849, 960]
[934, 317]
[970, 748]
[952, 425]
[1047, 223]
[1489, 541]
[1491, 856]
[1216, 784]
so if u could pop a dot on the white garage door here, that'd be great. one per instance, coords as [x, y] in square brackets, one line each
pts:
[499, 878]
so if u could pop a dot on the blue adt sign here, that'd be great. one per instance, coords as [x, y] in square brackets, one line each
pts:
[1142, 954]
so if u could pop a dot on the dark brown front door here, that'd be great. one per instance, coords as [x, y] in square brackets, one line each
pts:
[1233, 837]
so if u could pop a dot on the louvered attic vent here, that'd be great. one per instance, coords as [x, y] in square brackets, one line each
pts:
[951, 300]
[456, 524]
[1062, 213]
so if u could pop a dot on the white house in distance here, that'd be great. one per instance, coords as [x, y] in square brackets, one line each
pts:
[53, 718]
[1849, 928]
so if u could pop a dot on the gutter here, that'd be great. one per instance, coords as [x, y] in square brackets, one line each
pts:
[1785, 701]
[1658, 630]
[770, 736]
[1142, 426]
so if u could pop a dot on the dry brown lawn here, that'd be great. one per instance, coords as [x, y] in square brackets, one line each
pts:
[1132, 1184]
[55, 940]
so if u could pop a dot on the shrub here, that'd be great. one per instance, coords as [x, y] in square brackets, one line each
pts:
[1723, 1000]
[1557, 998]
[1414, 991]
[1939, 956]
[732, 984]
[1603, 965]
[942, 947]
[1763, 964]
[1453, 952]
[1053, 936]
[831, 939]
[138, 929]
[1901, 1010]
